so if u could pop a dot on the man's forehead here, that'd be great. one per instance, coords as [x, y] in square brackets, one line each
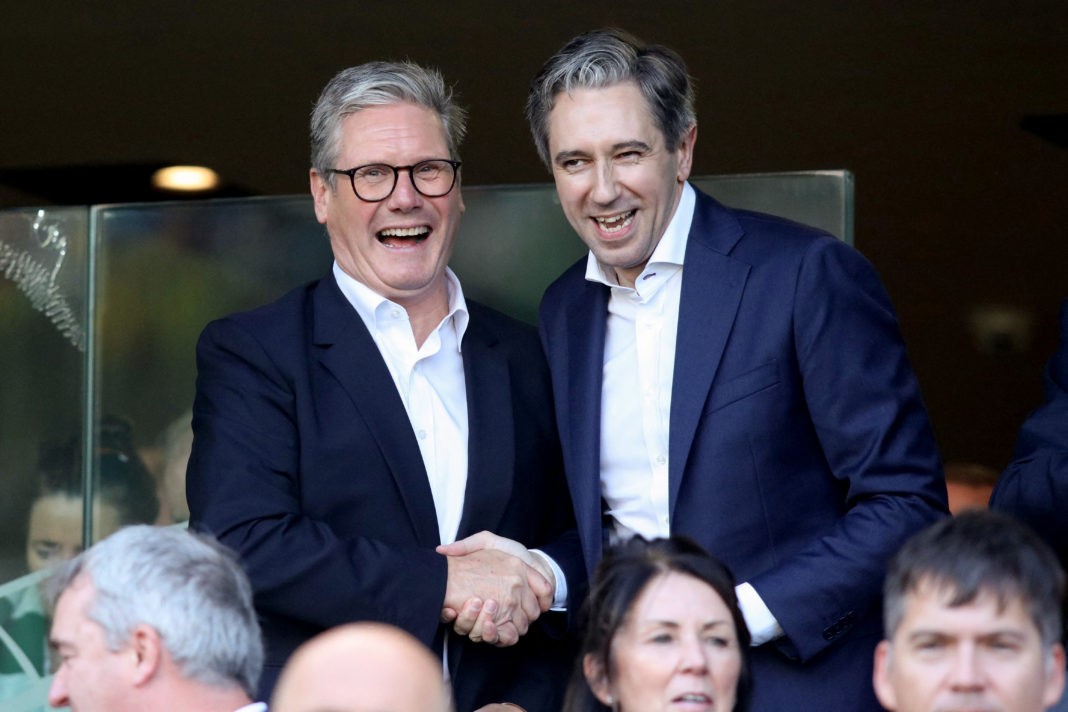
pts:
[931, 603]
[74, 600]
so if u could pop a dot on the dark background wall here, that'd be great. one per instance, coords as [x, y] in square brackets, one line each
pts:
[958, 206]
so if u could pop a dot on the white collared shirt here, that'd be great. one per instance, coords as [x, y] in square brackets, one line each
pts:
[431, 384]
[640, 349]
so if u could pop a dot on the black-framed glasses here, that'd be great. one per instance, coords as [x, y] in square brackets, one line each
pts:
[375, 182]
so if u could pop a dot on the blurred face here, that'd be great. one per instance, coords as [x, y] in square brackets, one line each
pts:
[55, 531]
[398, 247]
[973, 658]
[90, 678]
[618, 184]
[677, 650]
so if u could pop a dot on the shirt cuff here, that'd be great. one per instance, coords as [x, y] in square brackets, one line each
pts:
[758, 617]
[560, 592]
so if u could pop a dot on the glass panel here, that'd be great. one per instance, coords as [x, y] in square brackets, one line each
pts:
[42, 340]
[164, 271]
[823, 199]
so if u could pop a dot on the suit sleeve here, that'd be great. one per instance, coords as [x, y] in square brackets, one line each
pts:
[873, 430]
[1034, 487]
[244, 486]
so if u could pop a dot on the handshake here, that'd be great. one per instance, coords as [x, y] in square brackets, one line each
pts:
[496, 588]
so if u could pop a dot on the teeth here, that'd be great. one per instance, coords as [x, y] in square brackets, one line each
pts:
[616, 222]
[694, 698]
[405, 231]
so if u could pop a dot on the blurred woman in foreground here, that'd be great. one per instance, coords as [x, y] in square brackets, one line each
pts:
[663, 631]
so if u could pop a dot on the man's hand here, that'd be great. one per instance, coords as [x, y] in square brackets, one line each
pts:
[495, 588]
[488, 540]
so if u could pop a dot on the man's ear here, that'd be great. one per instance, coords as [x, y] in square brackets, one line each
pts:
[884, 690]
[684, 153]
[321, 194]
[147, 649]
[597, 679]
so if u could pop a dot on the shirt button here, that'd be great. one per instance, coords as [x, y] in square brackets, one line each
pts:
[660, 459]
[396, 313]
[421, 434]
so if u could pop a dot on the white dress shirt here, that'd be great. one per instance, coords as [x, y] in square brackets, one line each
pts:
[640, 349]
[430, 381]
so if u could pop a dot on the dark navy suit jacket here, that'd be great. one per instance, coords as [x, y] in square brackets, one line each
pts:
[800, 449]
[1034, 487]
[305, 462]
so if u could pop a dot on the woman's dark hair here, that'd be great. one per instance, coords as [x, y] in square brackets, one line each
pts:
[620, 579]
[122, 480]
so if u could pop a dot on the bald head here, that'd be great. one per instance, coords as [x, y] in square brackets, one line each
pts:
[362, 667]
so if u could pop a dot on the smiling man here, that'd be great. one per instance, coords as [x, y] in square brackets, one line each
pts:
[726, 375]
[345, 431]
[973, 620]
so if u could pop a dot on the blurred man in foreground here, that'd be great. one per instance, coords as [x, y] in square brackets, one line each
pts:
[362, 667]
[973, 620]
[154, 619]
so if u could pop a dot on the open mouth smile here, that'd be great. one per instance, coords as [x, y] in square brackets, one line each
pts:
[403, 236]
[615, 223]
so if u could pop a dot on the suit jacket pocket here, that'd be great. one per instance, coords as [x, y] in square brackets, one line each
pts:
[742, 386]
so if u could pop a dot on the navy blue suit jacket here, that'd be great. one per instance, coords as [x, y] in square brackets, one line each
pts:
[800, 450]
[305, 462]
[1034, 487]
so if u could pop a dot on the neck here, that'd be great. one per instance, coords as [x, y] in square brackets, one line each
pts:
[426, 312]
[198, 697]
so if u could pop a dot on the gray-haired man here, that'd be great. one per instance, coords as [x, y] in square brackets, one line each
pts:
[154, 619]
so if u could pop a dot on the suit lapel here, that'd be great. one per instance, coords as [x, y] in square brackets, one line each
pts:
[349, 354]
[712, 286]
[582, 359]
[491, 440]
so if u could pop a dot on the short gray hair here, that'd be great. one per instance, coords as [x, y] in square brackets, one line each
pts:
[977, 552]
[187, 586]
[380, 84]
[604, 58]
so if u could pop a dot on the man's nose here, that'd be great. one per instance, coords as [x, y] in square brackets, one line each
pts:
[57, 691]
[967, 671]
[404, 195]
[605, 188]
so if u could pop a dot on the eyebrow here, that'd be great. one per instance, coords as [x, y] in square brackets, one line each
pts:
[707, 625]
[948, 635]
[622, 145]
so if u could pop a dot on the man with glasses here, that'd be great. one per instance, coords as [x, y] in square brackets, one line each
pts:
[343, 432]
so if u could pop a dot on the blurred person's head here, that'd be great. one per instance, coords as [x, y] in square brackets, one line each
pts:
[972, 617]
[176, 443]
[154, 618]
[124, 493]
[362, 667]
[662, 629]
